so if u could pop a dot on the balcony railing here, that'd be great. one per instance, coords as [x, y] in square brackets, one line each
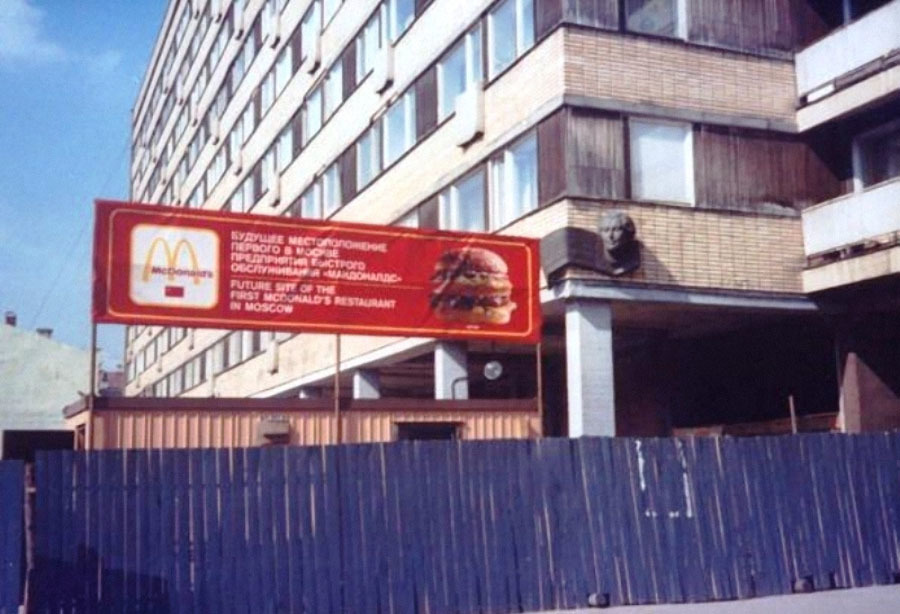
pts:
[852, 219]
[848, 48]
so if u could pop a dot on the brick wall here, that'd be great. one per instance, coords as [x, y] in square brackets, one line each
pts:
[693, 248]
[639, 70]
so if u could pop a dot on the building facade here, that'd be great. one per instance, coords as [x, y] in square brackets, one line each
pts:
[750, 160]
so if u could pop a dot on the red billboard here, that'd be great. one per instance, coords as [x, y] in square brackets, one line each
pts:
[177, 267]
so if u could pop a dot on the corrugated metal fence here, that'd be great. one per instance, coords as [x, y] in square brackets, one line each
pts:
[465, 526]
[12, 499]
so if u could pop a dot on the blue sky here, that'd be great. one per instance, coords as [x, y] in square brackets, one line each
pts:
[69, 74]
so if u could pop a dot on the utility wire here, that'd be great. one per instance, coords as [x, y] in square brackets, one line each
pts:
[84, 226]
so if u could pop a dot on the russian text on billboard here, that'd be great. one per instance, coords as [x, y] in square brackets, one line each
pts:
[158, 265]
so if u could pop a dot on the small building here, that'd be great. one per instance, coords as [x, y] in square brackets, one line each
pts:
[38, 376]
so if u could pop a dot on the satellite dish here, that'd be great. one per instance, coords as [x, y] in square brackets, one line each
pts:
[493, 369]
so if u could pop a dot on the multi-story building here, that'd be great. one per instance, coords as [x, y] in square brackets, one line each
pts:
[749, 144]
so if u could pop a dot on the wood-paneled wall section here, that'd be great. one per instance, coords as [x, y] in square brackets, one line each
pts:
[748, 25]
[759, 171]
[581, 154]
[594, 13]
[765, 27]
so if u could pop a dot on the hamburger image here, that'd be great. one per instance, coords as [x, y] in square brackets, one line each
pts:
[471, 285]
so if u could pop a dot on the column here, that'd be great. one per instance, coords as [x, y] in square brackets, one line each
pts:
[451, 371]
[589, 369]
[366, 384]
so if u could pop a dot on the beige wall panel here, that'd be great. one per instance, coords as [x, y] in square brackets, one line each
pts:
[669, 73]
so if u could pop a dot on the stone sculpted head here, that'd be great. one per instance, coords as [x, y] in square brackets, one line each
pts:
[619, 249]
[616, 231]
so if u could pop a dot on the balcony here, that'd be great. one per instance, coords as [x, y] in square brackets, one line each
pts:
[847, 49]
[845, 223]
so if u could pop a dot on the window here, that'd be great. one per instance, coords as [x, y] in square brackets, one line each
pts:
[268, 173]
[309, 31]
[406, 431]
[176, 382]
[331, 190]
[514, 182]
[334, 90]
[309, 204]
[190, 377]
[459, 69]
[462, 204]
[402, 13]
[312, 115]
[285, 148]
[234, 348]
[660, 17]
[661, 161]
[399, 127]
[368, 160]
[511, 32]
[878, 154]
[367, 45]
[219, 357]
[329, 8]
[410, 220]
[283, 70]
[267, 93]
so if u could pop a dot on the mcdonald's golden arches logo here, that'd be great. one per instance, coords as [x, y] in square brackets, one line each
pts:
[174, 266]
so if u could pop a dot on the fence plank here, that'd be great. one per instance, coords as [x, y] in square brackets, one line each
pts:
[12, 501]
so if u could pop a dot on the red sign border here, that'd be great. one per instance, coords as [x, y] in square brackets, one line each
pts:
[103, 313]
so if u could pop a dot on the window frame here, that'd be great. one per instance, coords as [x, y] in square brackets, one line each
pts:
[688, 153]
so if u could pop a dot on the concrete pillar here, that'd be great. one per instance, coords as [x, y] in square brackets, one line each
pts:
[589, 369]
[366, 384]
[451, 371]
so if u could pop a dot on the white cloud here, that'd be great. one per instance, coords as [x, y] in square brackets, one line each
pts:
[21, 34]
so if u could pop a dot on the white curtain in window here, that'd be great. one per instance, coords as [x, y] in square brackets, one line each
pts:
[661, 161]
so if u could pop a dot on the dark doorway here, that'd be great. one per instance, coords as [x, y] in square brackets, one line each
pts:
[428, 431]
[21, 445]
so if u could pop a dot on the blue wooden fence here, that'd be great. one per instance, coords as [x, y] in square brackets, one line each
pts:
[497, 526]
[12, 499]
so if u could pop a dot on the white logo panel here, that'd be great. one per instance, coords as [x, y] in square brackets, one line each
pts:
[173, 266]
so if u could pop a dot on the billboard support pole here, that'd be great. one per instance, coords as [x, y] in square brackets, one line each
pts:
[92, 384]
[337, 388]
[540, 384]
